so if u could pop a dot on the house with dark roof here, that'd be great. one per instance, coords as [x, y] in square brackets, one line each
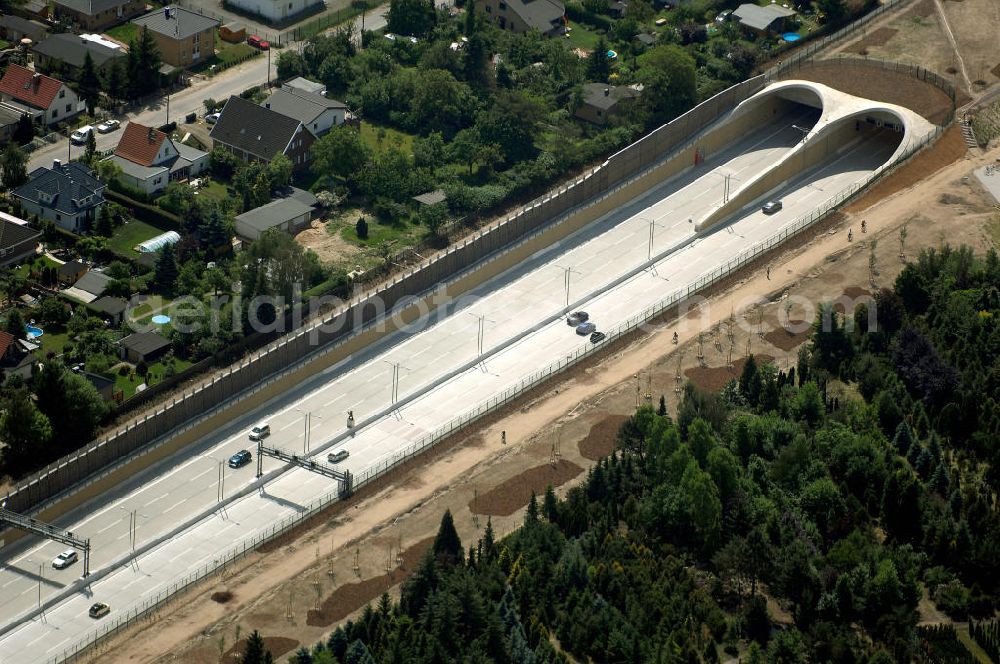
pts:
[760, 21]
[97, 14]
[111, 309]
[522, 16]
[256, 133]
[47, 99]
[18, 240]
[105, 386]
[290, 215]
[67, 194]
[67, 52]
[316, 113]
[602, 102]
[14, 29]
[143, 347]
[150, 160]
[184, 37]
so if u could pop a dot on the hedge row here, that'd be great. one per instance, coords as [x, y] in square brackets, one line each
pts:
[151, 214]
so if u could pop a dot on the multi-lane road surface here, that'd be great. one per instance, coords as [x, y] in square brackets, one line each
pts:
[441, 374]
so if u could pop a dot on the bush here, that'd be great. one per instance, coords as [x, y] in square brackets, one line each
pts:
[150, 214]
[361, 228]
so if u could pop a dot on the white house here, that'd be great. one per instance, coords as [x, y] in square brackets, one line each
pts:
[45, 99]
[150, 160]
[275, 10]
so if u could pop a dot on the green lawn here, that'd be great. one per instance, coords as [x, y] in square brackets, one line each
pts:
[370, 134]
[226, 54]
[125, 32]
[130, 234]
[53, 339]
[24, 270]
[582, 37]
[400, 234]
[214, 189]
[129, 382]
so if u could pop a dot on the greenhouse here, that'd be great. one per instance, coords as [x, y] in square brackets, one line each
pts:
[154, 244]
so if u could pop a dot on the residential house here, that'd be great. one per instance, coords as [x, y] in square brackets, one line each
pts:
[143, 347]
[45, 99]
[14, 29]
[255, 133]
[111, 309]
[184, 37]
[522, 16]
[10, 351]
[646, 39]
[18, 240]
[150, 159]
[761, 21]
[65, 53]
[71, 271]
[286, 214]
[317, 113]
[89, 287]
[276, 11]
[97, 14]
[67, 194]
[602, 102]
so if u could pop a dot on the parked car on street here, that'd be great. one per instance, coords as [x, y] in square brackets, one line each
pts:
[99, 610]
[577, 317]
[108, 126]
[583, 329]
[212, 118]
[240, 459]
[65, 559]
[257, 42]
[79, 137]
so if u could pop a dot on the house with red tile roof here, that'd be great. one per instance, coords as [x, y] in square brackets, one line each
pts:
[150, 159]
[47, 100]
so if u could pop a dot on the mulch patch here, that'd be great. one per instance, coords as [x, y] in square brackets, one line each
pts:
[350, 597]
[278, 645]
[872, 82]
[949, 148]
[785, 339]
[713, 379]
[876, 38]
[600, 440]
[221, 596]
[512, 495]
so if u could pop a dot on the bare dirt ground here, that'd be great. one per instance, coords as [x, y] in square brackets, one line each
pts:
[330, 247]
[300, 587]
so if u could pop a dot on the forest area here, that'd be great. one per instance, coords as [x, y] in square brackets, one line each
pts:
[769, 522]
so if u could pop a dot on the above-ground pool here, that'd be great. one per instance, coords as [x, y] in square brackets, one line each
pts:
[160, 319]
[611, 54]
[791, 36]
[33, 332]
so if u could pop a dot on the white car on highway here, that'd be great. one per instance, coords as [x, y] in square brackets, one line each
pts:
[64, 559]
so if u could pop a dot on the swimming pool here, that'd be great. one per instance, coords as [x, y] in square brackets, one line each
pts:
[160, 319]
[33, 332]
[791, 36]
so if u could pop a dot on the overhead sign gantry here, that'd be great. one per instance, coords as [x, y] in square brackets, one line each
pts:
[344, 477]
[48, 531]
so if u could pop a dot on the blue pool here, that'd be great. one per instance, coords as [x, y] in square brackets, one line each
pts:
[791, 36]
[33, 332]
[612, 55]
[160, 319]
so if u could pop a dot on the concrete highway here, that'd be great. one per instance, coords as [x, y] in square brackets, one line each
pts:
[441, 374]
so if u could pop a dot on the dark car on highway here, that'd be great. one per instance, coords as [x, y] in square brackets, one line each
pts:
[99, 610]
[240, 459]
[577, 317]
[771, 207]
[583, 329]
[597, 337]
